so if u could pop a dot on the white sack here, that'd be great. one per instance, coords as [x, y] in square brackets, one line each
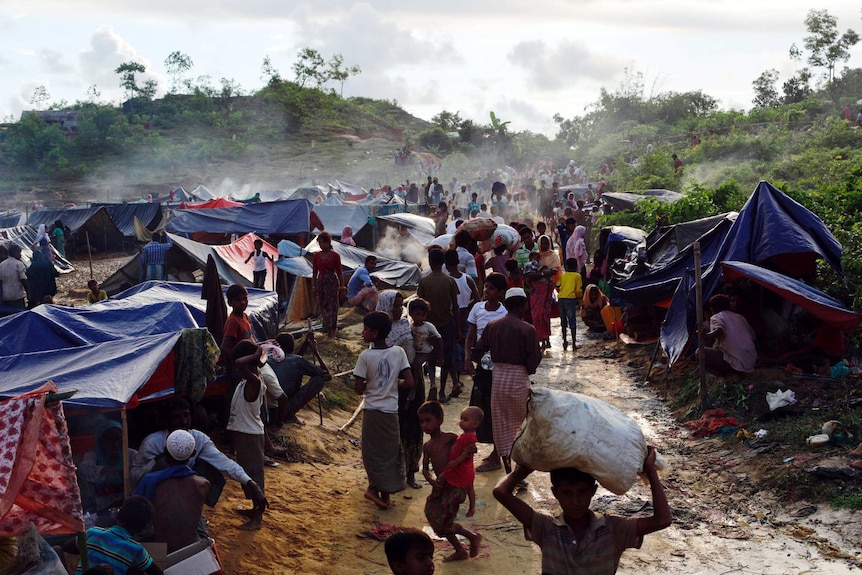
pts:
[565, 429]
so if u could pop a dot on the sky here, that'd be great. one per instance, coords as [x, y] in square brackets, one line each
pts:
[523, 60]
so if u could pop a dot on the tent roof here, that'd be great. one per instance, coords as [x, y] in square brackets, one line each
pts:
[627, 200]
[25, 237]
[216, 203]
[202, 193]
[334, 218]
[73, 218]
[771, 229]
[124, 216]
[284, 217]
[420, 227]
[817, 303]
[395, 273]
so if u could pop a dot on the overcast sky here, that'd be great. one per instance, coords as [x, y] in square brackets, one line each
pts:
[524, 60]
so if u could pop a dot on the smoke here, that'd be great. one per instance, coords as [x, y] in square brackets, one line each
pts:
[402, 246]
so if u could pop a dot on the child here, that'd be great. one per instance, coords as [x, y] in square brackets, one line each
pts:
[533, 264]
[441, 507]
[95, 294]
[260, 258]
[378, 374]
[577, 540]
[460, 470]
[468, 294]
[498, 262]
[514, 278]
[114, 546]
[410, 552]
[425, 339]
[245, 422]
[569, 291]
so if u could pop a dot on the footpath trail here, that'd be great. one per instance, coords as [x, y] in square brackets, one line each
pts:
[320, 523]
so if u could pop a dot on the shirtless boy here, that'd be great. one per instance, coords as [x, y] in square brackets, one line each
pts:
[442, 505]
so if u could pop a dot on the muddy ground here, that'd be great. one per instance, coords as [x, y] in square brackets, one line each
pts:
[724, 522]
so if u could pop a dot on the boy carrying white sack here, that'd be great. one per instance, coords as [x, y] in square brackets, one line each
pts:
[578, 540]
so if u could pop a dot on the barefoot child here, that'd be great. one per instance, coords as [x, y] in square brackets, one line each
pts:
[379, 372]
[426, 339]
[577, 540]
[459, 471]
[441, 507]
[260, 257]
[410, 552]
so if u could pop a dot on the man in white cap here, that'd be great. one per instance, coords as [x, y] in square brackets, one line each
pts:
[515, 352]
[177, 493]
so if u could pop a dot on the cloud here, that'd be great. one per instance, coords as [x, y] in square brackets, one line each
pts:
[107, 50]
[53, 62]
[554, 68]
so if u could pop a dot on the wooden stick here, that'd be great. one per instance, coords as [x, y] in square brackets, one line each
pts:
[354, 416]
[698, 294]
[127, 484]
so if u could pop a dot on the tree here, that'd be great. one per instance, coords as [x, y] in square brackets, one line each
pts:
[448, 121]
[40, 97]
[796, 88]
[309, 66]
[339, 73]
[765, 93]
[270, 72]
[128, 81]
[176, 65]
[93, 94]
[826, 45]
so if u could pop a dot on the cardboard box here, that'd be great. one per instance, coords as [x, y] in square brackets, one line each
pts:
[196, 559]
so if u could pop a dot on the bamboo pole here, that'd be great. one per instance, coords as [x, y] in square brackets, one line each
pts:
[89, 253]
[127, 484]
[698, 294]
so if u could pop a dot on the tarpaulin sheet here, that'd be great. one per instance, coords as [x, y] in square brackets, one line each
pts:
[202, 193]
[665, 242]
[216, 203]
[420, 227]
[25, 237]
[334, 218]
[124, 216]
[815, 302]
[653, 283]
[627, 200]
[103, 232]
[235, 254]
[393, 272]
[296, 266]
[771, 229]
[285, 217]
[105, 374]
[73, 218]
[51, 327]
[262, 305]
[38, 483]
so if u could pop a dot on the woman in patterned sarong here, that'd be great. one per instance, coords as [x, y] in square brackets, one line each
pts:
[326, 282]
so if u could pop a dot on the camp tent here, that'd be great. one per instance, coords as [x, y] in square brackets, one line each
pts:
[25, 237]
[201, 193]
[124, 215]
[419, 227]
[106, 370]
[772, 230]
[216, 203]
[668, 253]
[94, 221]
[186, 257]
[395, 273]
[334, 218]
[284, 217]
[619, 201]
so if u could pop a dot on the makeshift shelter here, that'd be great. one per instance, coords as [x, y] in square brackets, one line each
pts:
[25, 237]
[311, 194]
[95, 222]
[285, 218]
[188, 258]
[419, 227]
[37, 479]
[667, 254]
[621, 201]
[10, 218]
[395, 273]
[771, 230]
[202, 194]
[216, 203]
[334, 218]
[818, 304]
[124, 216]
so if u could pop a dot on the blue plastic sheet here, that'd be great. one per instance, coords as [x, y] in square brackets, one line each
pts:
[283, 217]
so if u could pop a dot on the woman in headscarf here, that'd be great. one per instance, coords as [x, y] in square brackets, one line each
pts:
[391, 302]
[580, 251]
[59, 235]
[43, 242]
[542, 290]
[326, 282]
[591, 307]
[347, 236]
[102, 466]
[40, 278]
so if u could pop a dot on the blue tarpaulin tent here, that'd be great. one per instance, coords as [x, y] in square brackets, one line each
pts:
[285, 217]
[149, 214]
[772, 230]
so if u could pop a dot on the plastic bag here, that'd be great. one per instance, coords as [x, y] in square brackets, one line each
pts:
[565, 429]
[779, 398]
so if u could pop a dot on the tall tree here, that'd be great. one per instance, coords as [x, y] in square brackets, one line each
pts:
[309, 65]
[128, 80]
[338, 72]
[40, 97]
[177, 64]
[269, 72]
[765, 93]
[826, 45]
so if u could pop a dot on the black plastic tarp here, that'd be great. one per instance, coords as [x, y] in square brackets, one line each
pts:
[95, 222]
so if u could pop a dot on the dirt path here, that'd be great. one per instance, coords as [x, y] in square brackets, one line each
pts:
[319, 522]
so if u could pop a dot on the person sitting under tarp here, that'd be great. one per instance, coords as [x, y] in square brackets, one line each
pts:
[733, 339]
[101, 469]
[591, 308]
[815, 347]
